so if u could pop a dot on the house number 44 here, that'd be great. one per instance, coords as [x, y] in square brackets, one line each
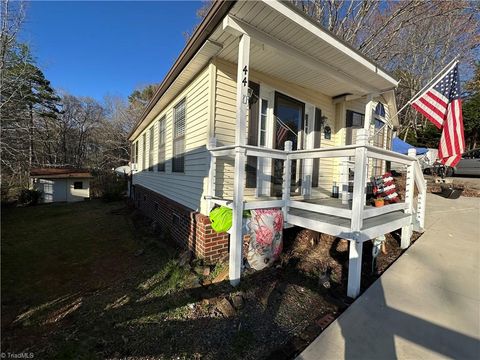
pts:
[245, 71]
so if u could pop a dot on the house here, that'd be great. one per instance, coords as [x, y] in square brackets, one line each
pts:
[61, 184]
[264, 108]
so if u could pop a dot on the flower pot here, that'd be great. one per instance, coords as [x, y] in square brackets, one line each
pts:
[379, 202]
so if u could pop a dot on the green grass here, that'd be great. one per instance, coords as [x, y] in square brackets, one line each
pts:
[51, 250]
[73, 272]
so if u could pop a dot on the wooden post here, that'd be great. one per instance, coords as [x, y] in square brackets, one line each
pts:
[287, 179]
[409, 189]
[236, 235]
[354, 268]
[359, 180]
[212, 173]
[355, 252]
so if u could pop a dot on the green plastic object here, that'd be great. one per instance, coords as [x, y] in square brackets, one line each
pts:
[221, 219]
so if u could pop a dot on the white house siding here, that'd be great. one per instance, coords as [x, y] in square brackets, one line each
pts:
[224, 123]
[185, 188]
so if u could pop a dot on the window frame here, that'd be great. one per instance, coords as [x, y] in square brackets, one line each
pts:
[162, 137]
[263, 123]
[178, 158]
[350, 136]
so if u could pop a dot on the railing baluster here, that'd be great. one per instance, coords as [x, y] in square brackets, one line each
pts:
[287, 178]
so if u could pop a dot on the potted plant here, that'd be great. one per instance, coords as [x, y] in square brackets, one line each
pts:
[379, 202]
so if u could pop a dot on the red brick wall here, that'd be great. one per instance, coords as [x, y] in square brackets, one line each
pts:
[188, 228]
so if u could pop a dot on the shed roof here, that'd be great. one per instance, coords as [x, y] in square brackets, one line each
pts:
[60, 173]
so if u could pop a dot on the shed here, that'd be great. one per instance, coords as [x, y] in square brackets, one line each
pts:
[61, 184]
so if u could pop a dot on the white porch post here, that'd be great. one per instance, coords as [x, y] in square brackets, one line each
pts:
[356, 247]
[409, 189]
[236, 235]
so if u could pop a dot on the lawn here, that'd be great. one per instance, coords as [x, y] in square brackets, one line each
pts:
[93, 280]
[64, 266]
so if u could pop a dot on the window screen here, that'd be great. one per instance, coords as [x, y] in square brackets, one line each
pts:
[178, 161]
[161, 144]
[151, 148]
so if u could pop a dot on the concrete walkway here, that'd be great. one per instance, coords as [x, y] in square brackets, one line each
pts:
[426, 305]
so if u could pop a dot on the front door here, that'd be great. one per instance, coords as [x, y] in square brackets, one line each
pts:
[288, 125]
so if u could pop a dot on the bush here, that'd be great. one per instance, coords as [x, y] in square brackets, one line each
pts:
[108, 186]
[29, 197]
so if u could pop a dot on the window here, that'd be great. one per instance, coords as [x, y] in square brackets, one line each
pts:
[136, 152]
[151, 148]
[355, 121]
[262, 131]
[378, 141]
[77, 185]
[144, 151]
[178, 160]
[161, 144]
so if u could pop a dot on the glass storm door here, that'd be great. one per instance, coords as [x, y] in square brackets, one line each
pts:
[289, 114]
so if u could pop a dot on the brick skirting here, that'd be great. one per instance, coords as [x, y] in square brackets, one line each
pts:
[188, 228]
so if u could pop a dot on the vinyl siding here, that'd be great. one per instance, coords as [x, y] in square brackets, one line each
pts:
[187, 188]
[224, 123]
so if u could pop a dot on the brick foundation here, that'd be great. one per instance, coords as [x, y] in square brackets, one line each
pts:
[188, 228]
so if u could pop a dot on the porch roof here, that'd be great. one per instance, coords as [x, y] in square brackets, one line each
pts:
[291, 46]
[286, 44]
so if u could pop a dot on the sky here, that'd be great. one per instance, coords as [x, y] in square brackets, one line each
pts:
[107, 48]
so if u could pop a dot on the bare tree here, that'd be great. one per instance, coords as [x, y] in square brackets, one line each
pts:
[412, 38]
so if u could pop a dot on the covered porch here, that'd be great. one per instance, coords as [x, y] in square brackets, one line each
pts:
[274, 43]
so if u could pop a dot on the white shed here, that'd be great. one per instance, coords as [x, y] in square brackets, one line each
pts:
[61, 184]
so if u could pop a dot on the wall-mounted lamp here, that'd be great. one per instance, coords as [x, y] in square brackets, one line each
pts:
[327, 130]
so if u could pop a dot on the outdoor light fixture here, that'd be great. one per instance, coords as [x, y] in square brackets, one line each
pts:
[327, 130]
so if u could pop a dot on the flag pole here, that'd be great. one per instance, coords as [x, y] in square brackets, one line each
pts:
[444, 70]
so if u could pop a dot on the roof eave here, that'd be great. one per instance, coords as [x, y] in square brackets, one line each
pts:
[201, 34]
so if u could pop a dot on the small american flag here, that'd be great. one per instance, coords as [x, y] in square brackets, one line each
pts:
[442, 105]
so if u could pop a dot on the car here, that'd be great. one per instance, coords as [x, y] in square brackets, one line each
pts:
[468, 165]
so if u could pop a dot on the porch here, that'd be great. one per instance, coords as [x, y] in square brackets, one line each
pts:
[315, 70]
[352, 220]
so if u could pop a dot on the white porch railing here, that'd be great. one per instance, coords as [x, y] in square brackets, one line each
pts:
[359, 217]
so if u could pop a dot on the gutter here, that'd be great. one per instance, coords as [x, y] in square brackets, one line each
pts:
[213, 18]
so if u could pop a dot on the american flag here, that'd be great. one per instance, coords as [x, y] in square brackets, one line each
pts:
[281, 133]
[442, 105]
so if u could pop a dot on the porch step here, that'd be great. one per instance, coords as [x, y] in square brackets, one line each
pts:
[340, 227]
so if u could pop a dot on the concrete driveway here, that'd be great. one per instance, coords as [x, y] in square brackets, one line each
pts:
[426, 305]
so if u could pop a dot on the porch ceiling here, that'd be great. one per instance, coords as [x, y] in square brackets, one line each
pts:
[295, 50]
